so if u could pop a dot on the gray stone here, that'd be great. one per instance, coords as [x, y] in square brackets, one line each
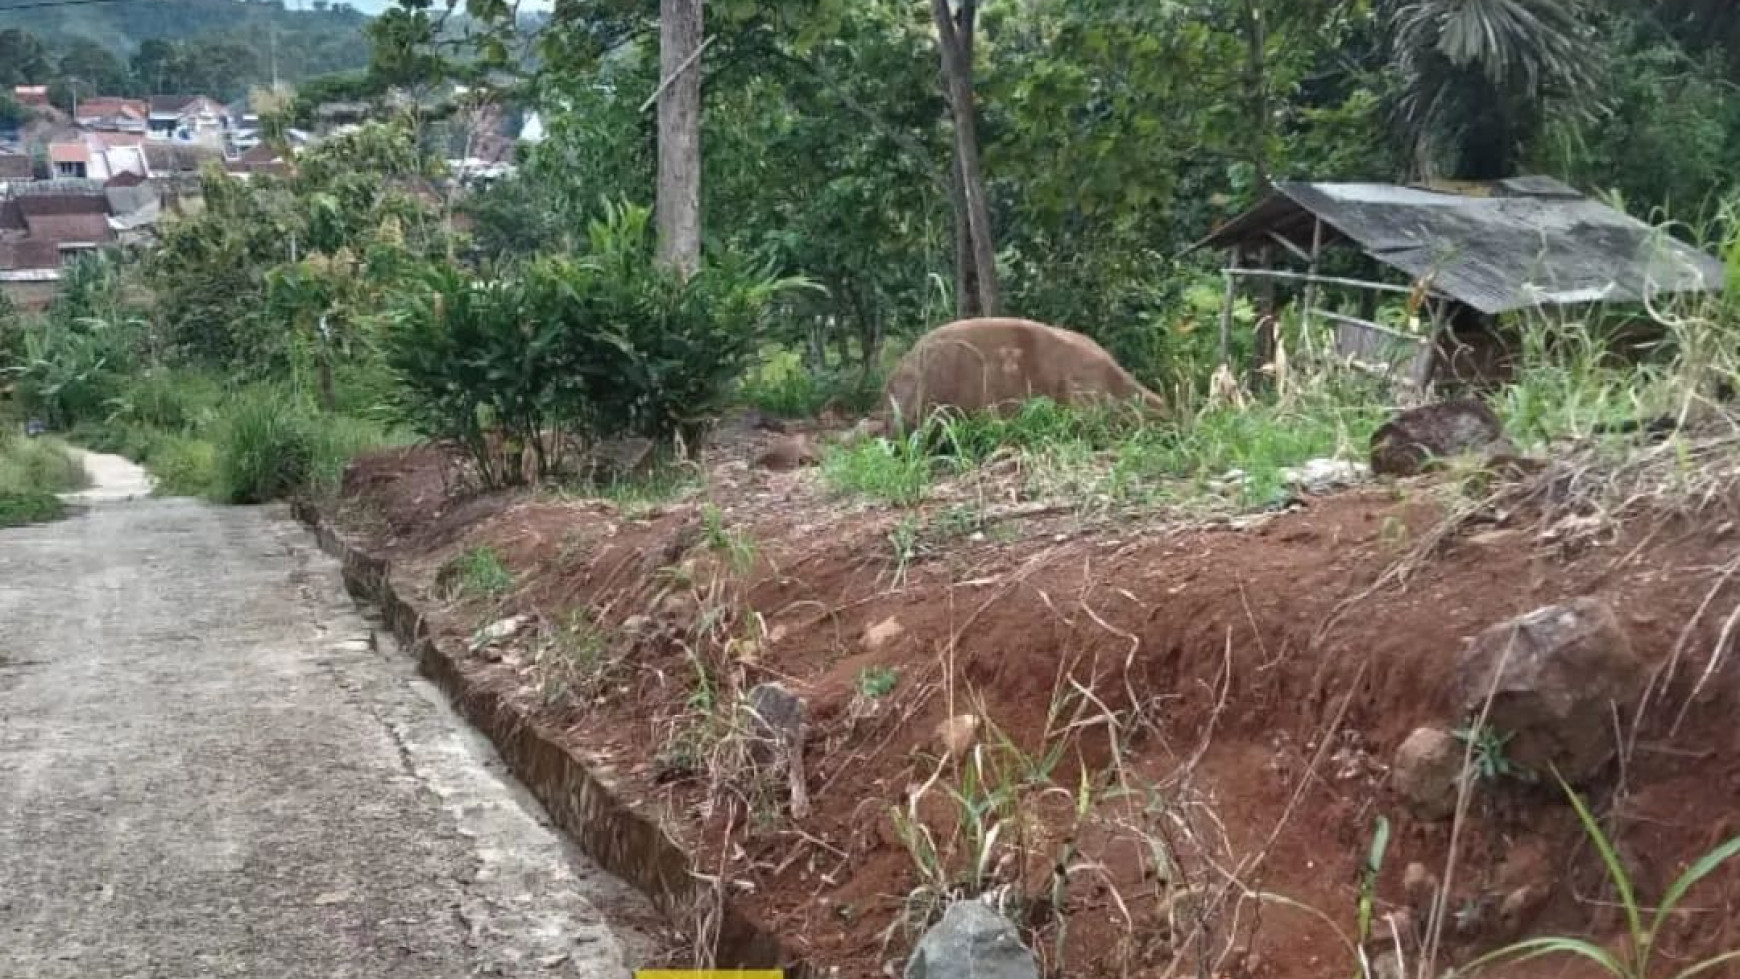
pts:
[971, 942]
[621, 459]
[776, 720]
[1318, 476]
[1425, 773]
[1556, 675]
[1415, 439]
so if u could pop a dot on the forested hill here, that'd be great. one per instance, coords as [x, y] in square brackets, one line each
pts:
[221, 47]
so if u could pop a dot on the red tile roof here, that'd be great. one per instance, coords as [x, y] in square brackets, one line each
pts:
[69, 153]
[65, 228]
[43, 205]
[104, 105]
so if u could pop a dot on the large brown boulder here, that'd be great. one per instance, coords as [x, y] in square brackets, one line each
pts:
[1417, 438]
[996, 364]
[1556, 676]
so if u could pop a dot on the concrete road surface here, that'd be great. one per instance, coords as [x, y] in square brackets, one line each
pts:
[208, 768]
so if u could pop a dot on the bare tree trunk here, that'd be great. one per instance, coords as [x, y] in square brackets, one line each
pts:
[966, 280]
[955, 40]
[1257, 88]
[679, 188]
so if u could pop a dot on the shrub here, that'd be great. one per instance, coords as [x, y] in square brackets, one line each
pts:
[18, 509]
[271, 445]
[171, 400]
[37, 466]
[265, 449]
[604, 345]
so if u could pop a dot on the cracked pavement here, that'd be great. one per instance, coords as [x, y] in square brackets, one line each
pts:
[209, 767]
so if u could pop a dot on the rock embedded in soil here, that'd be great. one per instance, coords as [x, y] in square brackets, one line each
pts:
[776, 720]
[788, 453]
[1412, 441]
[882, 633]
[972, 942]
[1426, 772]
[1556, 675]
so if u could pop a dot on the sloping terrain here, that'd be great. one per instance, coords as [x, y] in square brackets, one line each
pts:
[1181, 729]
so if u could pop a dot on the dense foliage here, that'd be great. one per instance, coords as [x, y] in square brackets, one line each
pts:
[599, 346]
[219, 48]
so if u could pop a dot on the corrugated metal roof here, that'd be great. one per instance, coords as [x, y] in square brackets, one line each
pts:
[29, 254]
[1515, 244]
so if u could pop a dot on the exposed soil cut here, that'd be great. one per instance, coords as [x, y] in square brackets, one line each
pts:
[1232, 693]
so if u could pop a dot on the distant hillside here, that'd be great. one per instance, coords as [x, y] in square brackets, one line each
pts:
[227, 43]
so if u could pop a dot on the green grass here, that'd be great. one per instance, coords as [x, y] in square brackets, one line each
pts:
[32, 471]
[1110, 453]
[876, 682]
[270, 446]
[18, 509]
[478, 573]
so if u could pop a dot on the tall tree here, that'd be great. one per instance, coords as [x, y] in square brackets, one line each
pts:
[97, 71]
[23, 58]
[679, 106]
[1476, 76]
[976, 286]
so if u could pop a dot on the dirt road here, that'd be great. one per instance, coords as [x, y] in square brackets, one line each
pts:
[207, 768]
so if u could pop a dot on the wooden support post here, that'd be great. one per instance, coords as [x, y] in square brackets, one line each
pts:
[1226, 306]
[1310, 301]
[1268, 328]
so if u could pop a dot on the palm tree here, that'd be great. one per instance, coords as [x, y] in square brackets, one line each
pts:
[1475, 78]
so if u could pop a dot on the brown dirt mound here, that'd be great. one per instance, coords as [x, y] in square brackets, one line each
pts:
[1261, 674]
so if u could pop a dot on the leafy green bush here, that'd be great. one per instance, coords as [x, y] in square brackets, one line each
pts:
[785, 388]
[604, 345]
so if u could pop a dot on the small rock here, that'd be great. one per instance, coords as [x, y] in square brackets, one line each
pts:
[958, 733]
[1520, 906]
[1426, 772]
[1421, 887]
[498, 631]
[1413, 441]
[1320, 476]
[883, 633]
[788, 453]
[637, 626]
[1387, 965]
[971, 942]
[776, 720]
[1556, 676]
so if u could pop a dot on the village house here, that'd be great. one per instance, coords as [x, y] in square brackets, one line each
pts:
[188, 118]
[113, 114]
[45, 225]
